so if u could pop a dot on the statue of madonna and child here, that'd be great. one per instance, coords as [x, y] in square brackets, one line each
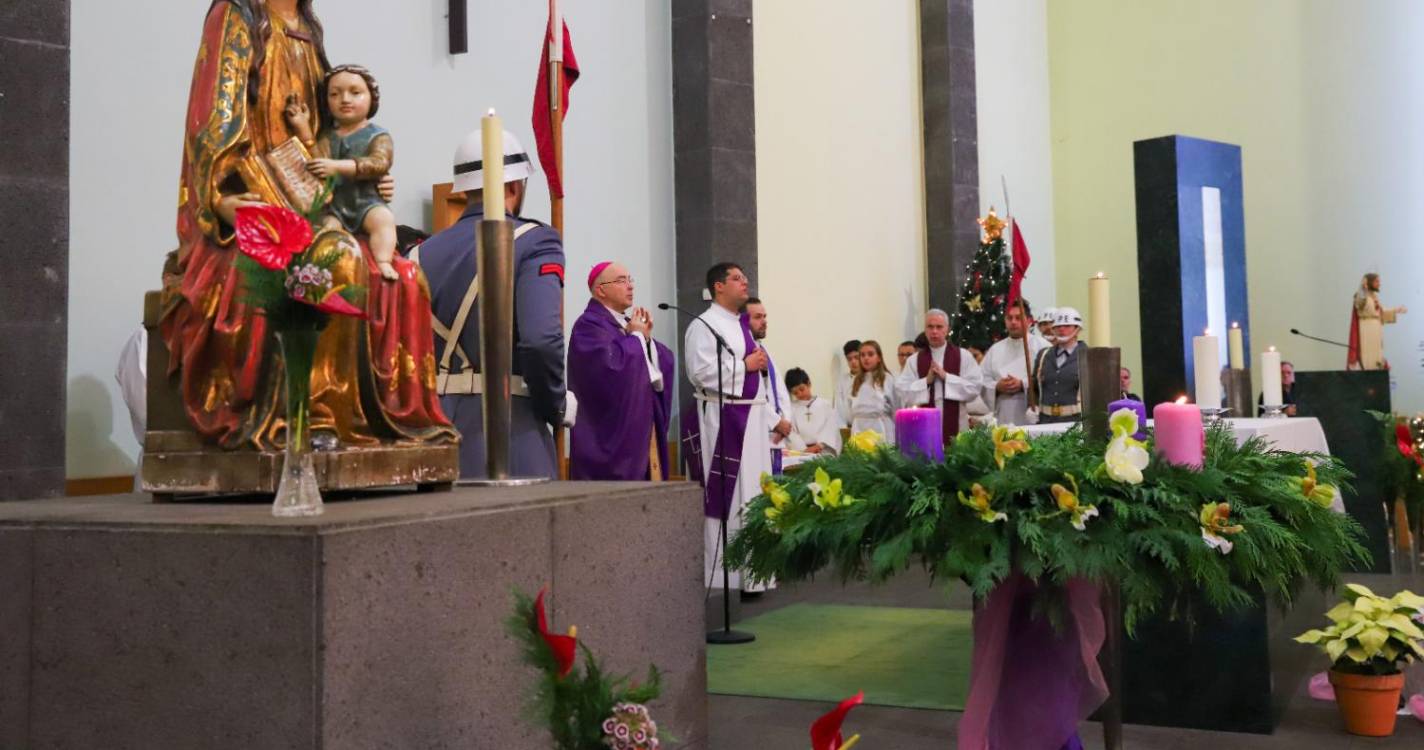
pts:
[271, 122]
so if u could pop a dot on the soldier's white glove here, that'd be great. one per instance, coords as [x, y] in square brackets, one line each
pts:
[1031, 416]
[570, 409]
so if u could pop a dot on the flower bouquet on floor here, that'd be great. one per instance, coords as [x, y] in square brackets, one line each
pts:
[1369, 638]
[288, 279]
[826, 731]
[583, 709]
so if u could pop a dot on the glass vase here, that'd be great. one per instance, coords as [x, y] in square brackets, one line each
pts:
[297, 492]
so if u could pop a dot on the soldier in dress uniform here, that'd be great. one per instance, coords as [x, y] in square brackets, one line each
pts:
[1055, 370]
[448, 259]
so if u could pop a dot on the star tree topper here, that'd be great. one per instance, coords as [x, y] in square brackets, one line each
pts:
[992, 226]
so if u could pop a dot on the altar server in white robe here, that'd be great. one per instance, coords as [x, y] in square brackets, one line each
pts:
[732, 478]
[815, 426]
[1005, 368]
[943, 376]
[872, 401]
[851, 351]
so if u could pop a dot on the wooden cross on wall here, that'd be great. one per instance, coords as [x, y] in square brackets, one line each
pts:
[459, 38]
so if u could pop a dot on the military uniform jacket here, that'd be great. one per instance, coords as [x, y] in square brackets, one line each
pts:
[1057, 384]
[449, 262]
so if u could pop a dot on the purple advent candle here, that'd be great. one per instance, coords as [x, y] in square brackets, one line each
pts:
[1136, 406]
[919, 433]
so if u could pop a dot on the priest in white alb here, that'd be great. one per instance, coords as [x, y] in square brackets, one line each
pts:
[943, 376]
[1005, 366]
[726, 441]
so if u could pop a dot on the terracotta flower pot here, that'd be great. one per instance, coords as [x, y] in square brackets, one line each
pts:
[1368, 702]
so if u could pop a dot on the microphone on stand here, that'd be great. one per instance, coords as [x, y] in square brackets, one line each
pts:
[726, 635]
[1297, 332]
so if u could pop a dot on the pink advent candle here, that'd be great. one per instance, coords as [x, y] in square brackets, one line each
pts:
[1177, 432]
[919, 433]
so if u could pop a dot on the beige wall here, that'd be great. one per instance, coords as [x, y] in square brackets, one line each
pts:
[840, 191]
[829, 273]
[1316, 94]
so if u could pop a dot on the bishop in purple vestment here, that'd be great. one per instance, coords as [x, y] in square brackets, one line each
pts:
[622, 380]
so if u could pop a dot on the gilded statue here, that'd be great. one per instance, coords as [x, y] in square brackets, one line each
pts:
[260, 85]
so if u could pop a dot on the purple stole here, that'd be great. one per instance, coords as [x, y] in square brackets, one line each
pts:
[949, 409]
[776, 402]
[720, 481]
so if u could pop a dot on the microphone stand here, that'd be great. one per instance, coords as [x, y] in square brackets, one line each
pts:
[1297, 332]
[725, 636]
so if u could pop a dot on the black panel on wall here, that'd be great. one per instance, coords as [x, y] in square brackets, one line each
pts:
[34, 222]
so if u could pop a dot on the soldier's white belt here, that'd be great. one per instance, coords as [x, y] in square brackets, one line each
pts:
[711, 396]
[1067, 410]
[468, 383]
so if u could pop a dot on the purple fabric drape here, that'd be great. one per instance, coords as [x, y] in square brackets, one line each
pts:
[1031, 684]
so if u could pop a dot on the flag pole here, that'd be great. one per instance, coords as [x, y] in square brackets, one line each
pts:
[1028, 359]
[556, 202]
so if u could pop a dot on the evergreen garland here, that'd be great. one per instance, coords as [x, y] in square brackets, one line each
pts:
[893, 512]
[978, 318]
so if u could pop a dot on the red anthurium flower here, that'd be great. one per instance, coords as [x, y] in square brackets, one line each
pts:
[271, 235]
[826, 731]
[564, 647]
[1406, 443]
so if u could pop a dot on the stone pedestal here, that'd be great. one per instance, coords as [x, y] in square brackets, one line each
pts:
[379, 624]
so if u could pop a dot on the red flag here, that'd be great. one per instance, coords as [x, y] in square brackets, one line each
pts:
[1021, 260]
[543, 121]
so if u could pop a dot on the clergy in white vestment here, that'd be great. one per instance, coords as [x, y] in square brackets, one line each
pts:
[1005, 367]
[943, 376]
[725, 435]
[815, 426]
[778, 401]
[851, 352]
[873, 402]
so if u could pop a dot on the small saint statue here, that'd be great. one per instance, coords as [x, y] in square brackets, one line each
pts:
[1367, 319]
[357, 152]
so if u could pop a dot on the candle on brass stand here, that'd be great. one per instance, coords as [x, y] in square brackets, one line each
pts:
[494, 266]
[1099, 385]
[1238, 393]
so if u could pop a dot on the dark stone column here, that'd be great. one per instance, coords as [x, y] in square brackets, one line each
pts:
[951, 144]
[714, 150]
[34, 221]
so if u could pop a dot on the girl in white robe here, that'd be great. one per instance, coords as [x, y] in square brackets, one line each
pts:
[872, 397]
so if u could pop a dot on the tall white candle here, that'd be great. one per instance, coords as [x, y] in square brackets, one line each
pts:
[1207, 355]
[1271, 377]
[1099, 312]
[1236, 350]
[492, 156]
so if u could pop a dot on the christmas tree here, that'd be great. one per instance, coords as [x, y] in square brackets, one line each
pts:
[978, 320]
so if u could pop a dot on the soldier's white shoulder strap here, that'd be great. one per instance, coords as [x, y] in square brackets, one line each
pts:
[451, 335]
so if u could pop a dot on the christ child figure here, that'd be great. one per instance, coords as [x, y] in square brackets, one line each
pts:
[357, 152]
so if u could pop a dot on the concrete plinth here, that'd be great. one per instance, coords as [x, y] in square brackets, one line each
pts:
[125, 624]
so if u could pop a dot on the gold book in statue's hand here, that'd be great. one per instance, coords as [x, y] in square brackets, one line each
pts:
[282, 173]
[289, 165]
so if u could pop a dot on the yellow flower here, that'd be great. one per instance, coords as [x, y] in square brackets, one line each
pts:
[982, 502]
[865, 441]
[1069, 503]
[778, 495]
[1216, 526]
[1008, 442]
[1320, 494]
[826, 492]
[1123, 423]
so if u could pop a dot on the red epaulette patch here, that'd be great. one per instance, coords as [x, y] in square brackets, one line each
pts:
[553, 269]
